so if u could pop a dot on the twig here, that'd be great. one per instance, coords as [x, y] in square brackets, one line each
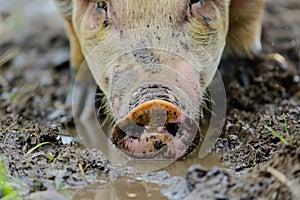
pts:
[8, 128]
[277, 57]
[23, 98]
[8, 55]
[280, 176]
[81, 168]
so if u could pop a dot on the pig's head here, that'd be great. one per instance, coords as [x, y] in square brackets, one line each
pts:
[153, 60]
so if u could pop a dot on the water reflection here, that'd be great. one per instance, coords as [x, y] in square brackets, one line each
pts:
[142, 185]
[132, 184]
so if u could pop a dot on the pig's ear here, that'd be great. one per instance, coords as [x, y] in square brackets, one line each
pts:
[245, 21]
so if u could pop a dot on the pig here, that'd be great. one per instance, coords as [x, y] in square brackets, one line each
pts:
[153, 60]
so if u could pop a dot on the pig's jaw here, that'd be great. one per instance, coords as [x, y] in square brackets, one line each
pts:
[156, 129]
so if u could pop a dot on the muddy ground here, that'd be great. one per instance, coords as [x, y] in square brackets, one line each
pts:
[251, 162]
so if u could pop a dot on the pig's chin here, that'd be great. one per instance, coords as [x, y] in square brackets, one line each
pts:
[156, 130]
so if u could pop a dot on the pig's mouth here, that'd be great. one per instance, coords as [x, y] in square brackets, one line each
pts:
[156, 129]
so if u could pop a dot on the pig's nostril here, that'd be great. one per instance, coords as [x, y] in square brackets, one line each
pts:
[172, 128]
[158, 145]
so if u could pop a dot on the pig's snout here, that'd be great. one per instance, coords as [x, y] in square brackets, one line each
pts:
[156, 126]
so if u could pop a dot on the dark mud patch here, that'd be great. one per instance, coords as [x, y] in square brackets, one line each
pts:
[270, 96]
[33, 87]
[265, 91]
[52, 166]
[270, 169]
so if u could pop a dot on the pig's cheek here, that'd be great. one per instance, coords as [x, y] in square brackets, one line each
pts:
[79, 7]
[191, 75]
[116, 104]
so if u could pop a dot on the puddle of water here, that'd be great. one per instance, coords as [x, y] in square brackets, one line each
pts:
[180, 167]
[122, 189]
[143, 186]
[131, 185]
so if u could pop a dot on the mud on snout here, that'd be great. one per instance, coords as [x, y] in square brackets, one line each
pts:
[156, 127]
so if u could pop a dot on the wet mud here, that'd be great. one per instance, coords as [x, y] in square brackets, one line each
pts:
[247, 162]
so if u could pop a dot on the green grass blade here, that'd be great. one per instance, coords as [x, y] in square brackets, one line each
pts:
[286, 130]
[6, 184]
[13, 195]
[37, 146]
[277, 135]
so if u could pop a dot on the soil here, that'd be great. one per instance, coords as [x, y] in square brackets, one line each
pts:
[252, 162]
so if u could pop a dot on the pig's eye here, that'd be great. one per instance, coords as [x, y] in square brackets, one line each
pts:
[101, 8]
[195, 1]
[192, 2]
